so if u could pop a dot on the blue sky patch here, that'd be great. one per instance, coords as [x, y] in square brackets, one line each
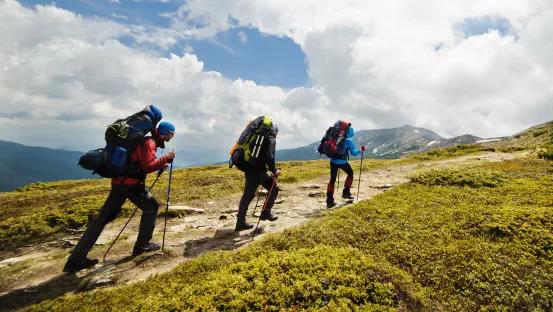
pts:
[248, 54]
[476, 26]
[238, 53]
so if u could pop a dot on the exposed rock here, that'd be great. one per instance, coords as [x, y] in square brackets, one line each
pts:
[223, 217]
[279, 201]
[383, 186]
[101, 282]
[187, 210]
[315, 194]
[310, 187]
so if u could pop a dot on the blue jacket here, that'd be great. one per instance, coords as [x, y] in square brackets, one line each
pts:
[349, 147]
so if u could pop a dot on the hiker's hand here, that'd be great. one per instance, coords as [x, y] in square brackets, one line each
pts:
[363, 148]
[171, 155]
[277, 173]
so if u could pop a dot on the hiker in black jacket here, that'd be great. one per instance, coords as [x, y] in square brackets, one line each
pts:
[257, 174]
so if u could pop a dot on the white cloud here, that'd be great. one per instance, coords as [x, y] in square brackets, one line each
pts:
[118, 16]
[379, 64]
[242, 37]
[386, 63]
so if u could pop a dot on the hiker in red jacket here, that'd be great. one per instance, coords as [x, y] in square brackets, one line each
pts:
[123, 188]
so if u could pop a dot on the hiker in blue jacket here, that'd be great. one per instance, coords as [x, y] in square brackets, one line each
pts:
[341, 162]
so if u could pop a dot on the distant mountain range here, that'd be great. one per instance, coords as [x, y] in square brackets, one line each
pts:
[385, 143]
[21, 165]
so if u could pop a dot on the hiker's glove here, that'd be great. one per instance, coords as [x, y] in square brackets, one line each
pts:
[363, 148]
[171, 155]
[160, 172]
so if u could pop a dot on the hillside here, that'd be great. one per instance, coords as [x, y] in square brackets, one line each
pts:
[20, 165]
[386, 143]
[450, 239]
[462, 228]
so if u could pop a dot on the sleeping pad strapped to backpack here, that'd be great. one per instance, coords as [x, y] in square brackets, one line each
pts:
[332, 144]
[249, 150]
[122, 137]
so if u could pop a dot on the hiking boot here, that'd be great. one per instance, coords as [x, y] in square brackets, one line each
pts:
[330, 204]
[268, 216]
[72, 266]
[347, 194]
[240, 226]
[138, 250]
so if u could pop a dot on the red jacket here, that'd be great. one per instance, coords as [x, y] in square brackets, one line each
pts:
[145, 156]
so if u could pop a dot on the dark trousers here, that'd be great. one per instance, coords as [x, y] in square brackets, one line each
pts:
[139, 196]
[333, 174]
[253, 180]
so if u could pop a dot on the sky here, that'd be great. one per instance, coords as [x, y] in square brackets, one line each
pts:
[455, 67]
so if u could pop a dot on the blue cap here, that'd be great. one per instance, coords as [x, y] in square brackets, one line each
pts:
[156, 113]
[165, 127]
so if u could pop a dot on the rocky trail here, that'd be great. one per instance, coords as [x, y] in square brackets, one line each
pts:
[192, 229]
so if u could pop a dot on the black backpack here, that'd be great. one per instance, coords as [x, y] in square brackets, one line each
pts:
[332, 144]
[248, 151]
[122, 137]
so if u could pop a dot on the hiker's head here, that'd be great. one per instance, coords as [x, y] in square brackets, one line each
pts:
[166, 130]
[351, 132]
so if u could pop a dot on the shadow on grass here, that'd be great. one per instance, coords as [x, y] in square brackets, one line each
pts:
[57, 286]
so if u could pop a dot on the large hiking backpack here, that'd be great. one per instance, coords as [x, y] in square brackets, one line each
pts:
[249, 150]
[122, 137]
[333, 142]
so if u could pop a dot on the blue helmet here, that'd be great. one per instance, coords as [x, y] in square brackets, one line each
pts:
[165, 127]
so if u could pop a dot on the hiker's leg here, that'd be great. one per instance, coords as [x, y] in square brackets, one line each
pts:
[251, 183]
[330, 187]
[349, 180]
[149, 206]
[109, 211]
[267, 183]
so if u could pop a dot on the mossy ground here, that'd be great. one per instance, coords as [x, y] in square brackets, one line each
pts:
[422, 246]
[41, 212]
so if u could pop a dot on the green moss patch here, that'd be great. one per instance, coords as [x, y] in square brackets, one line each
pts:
[415, 247]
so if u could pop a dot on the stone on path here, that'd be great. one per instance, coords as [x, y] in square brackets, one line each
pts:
[187, 210]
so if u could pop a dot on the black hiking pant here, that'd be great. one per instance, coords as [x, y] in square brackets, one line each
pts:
[333, 174]
[139, 196]
[253, 180]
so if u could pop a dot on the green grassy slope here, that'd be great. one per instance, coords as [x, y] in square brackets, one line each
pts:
[42, 211]
[480, 239]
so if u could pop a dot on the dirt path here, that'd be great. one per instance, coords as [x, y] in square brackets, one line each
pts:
[35, 274]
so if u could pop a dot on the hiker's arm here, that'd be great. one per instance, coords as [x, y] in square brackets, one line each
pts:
[147, 157]
[270, 156]
[352, 148]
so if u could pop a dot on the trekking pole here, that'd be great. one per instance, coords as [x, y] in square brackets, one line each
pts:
[360, 167]
[264, 206]
[338, 180]
[167, 204]
[132, 215]
[256, 203]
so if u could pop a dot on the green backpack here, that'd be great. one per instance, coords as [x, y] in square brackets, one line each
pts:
[249, 150]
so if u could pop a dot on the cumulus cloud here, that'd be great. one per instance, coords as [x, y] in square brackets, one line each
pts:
[455, 66]
[378, 64]
[63, 87]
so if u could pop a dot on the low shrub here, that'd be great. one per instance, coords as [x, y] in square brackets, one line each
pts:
[470, 177]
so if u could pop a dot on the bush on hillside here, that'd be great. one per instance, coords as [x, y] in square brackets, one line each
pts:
[546, 153]
[475, 178]
[452, 151]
